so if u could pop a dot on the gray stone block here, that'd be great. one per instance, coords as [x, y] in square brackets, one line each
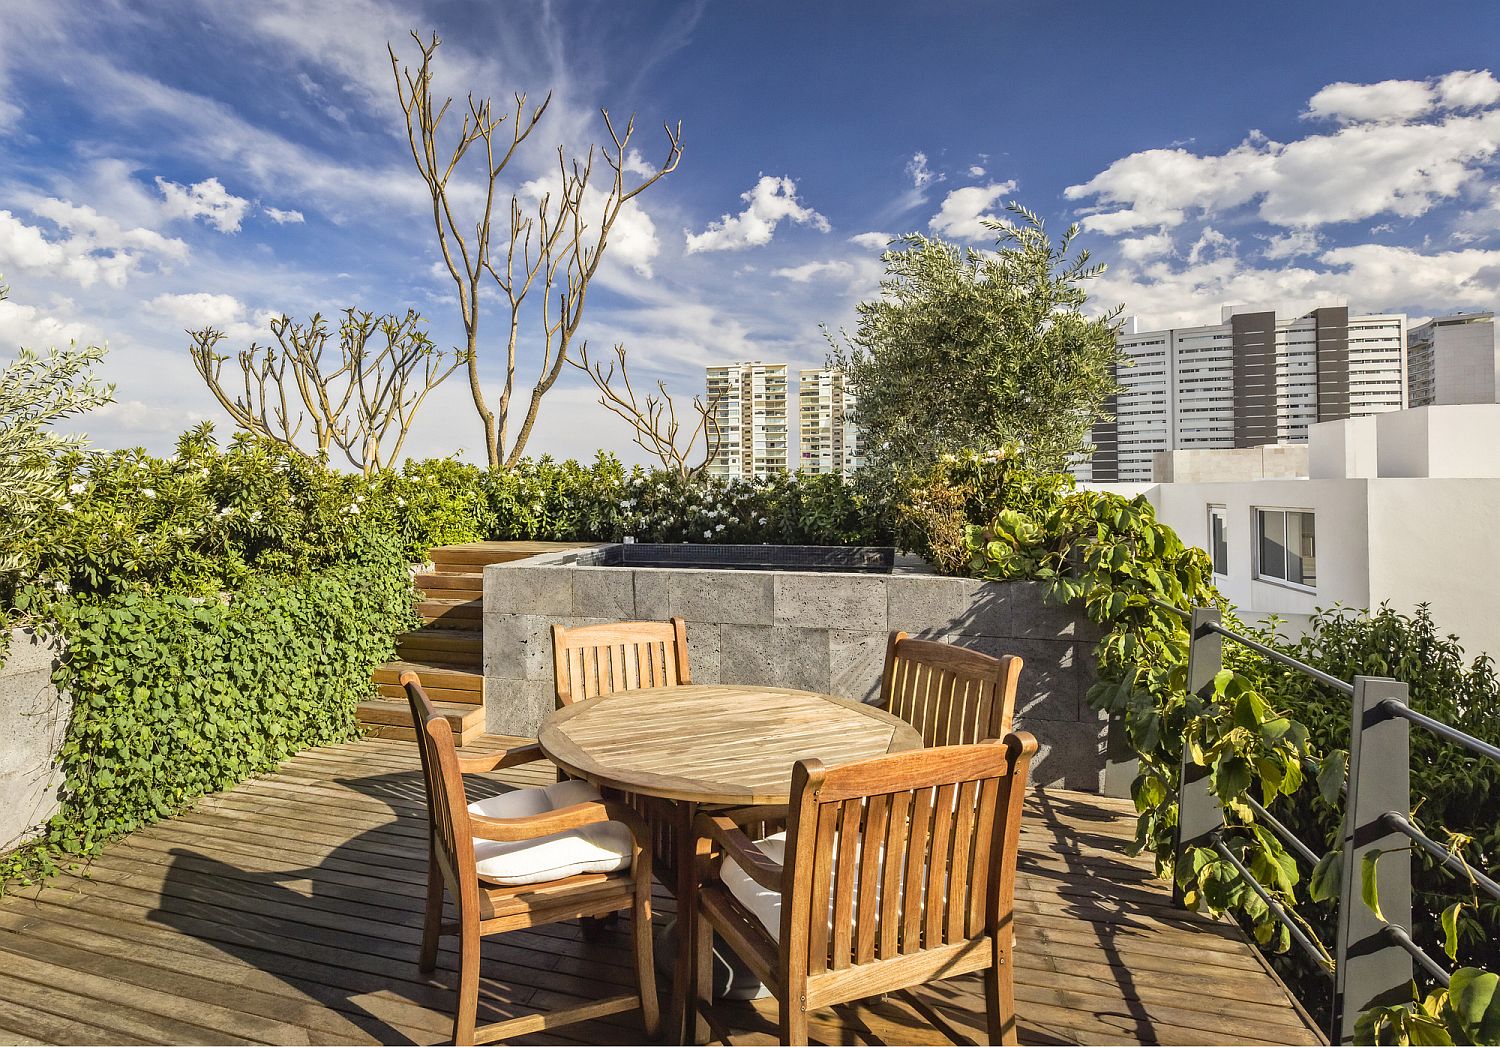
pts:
[1033, 615]
[1049, 685]
[1069, 755]
[774, 655]
[845, 601]
[855, 662]
[653, 593]
[528, 590]
[726, 597]
[519, 646]
[986, 609]
[517, 707]
[924, 604]
[703, 652]
[604, 592]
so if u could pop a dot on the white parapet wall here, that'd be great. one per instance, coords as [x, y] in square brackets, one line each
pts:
[36, 720]
[817, 631]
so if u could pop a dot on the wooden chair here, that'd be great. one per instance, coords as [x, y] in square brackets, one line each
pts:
[591, 660]
[953, 695]
[894, 871]
[545, 855]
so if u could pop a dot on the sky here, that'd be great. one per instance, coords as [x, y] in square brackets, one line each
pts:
[166, 166]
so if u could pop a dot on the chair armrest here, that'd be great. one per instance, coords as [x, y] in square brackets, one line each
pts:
[576, 816]
[766, 812]
[735, 844]
[528, 753]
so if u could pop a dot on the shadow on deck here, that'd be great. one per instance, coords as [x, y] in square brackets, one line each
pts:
[288, 910]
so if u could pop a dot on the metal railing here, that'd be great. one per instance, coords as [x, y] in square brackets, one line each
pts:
[1373, 956]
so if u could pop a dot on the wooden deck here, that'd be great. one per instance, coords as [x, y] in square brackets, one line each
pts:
[288, 911]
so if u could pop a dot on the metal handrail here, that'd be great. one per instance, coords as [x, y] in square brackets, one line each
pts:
[1446, 858]
[1285, 659]
[1431, 966]
[1477, 746]
[1319, 957]
[1286, 835]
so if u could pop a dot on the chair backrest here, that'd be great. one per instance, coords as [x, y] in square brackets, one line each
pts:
[591, 660]
[909, 853]
[952, 695]
[447, 806]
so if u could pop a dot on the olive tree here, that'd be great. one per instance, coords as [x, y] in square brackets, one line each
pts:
[981, 350]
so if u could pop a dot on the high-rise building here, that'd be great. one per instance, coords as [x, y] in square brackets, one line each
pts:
[1255, 378]
[830, 441]
[1453, 360]
[751, 413]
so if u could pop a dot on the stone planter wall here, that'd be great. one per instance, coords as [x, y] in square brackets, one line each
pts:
[35, 716]
[816, 631]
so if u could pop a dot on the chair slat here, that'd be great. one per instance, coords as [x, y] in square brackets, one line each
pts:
[822, 877]
[913, 891]
[959, 866]
[871, 891]
[896, 831]
[982, 858]
[937, 865]
[851, 816]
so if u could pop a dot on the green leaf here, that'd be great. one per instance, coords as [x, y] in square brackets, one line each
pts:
[1449, 922]
[1324, 882]
[1475, 1002]
[1331, 774]
[1369, 887]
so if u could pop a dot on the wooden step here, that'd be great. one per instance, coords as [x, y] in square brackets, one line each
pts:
[385, 717]
[477, 555]
[450, 586]
[456, 646]
[437, 694]
[436, 676]
[452, 614]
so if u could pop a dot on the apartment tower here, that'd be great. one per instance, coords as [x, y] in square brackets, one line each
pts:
[1254, 378]
[751, 411]
[829, 440]
[1453, 360]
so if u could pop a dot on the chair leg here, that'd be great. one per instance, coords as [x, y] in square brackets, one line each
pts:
[1000, 999]
[432, 921]
[645, 960]
[703, 980]
[468, 984]
[793, 1020]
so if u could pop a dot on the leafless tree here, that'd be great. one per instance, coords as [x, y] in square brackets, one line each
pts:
[654, 420]
[354, 401]
[552, 245]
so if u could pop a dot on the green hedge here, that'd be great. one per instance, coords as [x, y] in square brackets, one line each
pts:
[176, 696]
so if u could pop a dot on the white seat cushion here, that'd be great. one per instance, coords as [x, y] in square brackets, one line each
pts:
[599, 848]
[761, 902]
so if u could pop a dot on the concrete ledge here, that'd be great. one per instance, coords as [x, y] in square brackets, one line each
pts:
[36, 722]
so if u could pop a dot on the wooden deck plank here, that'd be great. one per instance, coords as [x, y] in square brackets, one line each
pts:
[289, 910]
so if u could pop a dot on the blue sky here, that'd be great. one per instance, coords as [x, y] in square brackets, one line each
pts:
[167, 165]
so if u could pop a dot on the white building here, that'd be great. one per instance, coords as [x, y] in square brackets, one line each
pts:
[751, 413]
[830, 442]
[1255, 378]
[1453, 360]
[1401, 507]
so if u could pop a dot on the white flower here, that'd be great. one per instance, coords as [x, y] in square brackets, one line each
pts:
[762, 521]
[401, 502]
[146, 492]
[718, 527]
[77, 488]
[255, 516]
[203, 472]
[226, 511]
[708, 534]
[66, 507]
[734, 519]
[354, 510]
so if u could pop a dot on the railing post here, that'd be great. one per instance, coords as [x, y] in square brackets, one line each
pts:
[1372, 969]
[1198, 810]
[1121, 763]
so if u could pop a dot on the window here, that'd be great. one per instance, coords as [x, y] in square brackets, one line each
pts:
[1287, 546]
[1218, 540]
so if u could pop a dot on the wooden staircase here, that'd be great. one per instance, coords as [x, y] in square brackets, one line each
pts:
[447, 652]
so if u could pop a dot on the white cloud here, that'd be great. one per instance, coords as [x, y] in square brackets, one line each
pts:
[809, 270]
[1468, 89]
[917, 170]
[872, 240]
[281, 217]
[199, 309]
[770, 201]
[975, 171]
[208, 200]
[94, 248]
[1290, 245]
[1357, 171]
[965, 211]
[27, 326]
[1398, 101]
[1152, 245]
[633, 242]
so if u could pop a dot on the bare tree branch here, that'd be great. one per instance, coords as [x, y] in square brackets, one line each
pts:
[654, 420]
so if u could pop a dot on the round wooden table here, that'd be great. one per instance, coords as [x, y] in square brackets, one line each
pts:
[711, 745]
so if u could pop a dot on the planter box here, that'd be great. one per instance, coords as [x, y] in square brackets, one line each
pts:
[821, 631]
[36, 720]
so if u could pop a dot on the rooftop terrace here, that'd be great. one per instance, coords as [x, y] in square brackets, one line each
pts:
[288, 910]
